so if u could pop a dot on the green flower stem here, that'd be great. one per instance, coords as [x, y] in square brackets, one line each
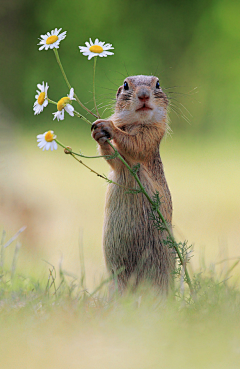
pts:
[61, 67]
[72, 153]
[68, 84]
[80, 161]
[52, 102]
[82, 117]
[84, 156]
[183, 263]
[94, 99]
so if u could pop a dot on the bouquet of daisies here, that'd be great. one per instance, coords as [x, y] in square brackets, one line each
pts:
[92, 49]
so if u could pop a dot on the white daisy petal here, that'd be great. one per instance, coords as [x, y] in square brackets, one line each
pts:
[108, 53]
[61, 115]
[62, 35]
[69, 109]
[71, 94]
[48, 144]
[56, 115]
[107, 46]
[41, 145]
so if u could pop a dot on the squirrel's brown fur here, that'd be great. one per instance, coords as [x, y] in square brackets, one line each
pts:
[130, 240]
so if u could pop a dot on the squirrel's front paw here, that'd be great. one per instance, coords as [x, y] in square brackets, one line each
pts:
[102, 130]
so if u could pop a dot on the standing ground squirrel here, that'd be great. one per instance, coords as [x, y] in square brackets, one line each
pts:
[130, 240]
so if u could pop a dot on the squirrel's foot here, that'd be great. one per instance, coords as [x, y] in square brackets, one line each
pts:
[102, 130]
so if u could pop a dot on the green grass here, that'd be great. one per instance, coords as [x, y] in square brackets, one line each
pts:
[60, 323]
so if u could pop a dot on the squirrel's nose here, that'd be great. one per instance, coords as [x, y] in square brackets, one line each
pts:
[143, 95]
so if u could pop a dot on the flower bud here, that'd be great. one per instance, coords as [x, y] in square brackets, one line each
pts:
[68, 150]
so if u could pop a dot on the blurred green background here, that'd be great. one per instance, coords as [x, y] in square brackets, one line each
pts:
[191, 46]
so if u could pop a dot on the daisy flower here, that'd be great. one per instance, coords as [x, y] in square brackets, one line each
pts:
[51, 40]
[41, 98]
[65, 104]
[96, 48]
[47, 141]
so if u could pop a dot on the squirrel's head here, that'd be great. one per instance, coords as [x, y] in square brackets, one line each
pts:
[141, 98]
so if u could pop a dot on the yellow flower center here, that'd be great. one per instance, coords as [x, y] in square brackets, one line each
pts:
[51, 40]
[63, 102]
[41, 98]
[49, 136]
[96, 49]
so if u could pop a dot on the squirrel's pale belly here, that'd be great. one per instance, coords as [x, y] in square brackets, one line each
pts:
[130, 238]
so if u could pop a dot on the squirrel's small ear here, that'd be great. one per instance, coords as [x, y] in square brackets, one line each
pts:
[119, 90]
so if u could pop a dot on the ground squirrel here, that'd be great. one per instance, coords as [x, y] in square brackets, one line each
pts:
[130, 240]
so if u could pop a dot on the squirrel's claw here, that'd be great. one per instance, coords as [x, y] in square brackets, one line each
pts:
[102, 130]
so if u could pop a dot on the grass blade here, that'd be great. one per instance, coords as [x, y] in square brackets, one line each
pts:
[15, 236]
[15, 257]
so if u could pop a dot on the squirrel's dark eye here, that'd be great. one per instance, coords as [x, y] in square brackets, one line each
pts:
[125, 85]
[157, 84]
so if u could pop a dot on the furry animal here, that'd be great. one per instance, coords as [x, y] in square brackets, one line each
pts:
[130, 240]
